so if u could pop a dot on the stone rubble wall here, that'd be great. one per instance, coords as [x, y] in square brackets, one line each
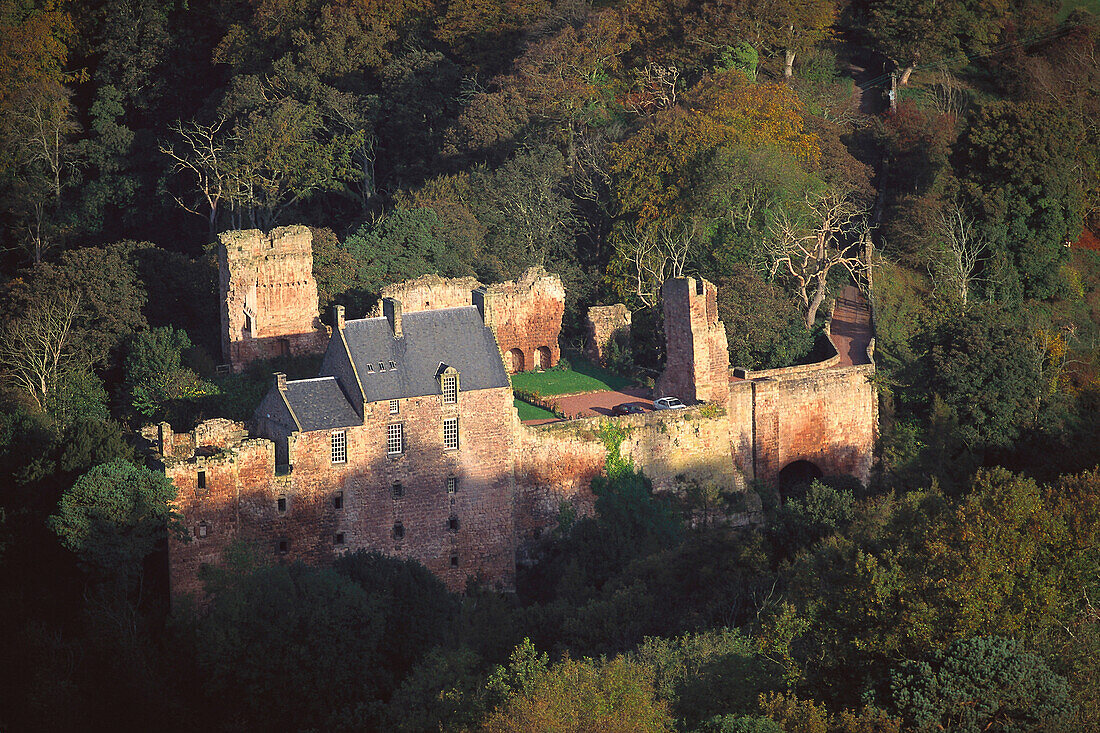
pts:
[268, 295]
[604, 323]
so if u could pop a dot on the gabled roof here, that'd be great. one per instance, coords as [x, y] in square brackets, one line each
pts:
[454, 336]
[320, 404]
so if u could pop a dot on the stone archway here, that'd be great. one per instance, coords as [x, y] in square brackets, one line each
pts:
[543, 356]
[796, 476]
[513, 361]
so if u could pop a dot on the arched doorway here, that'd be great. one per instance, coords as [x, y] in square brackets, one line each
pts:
[796, 477]
[513, 361]
[542, 357]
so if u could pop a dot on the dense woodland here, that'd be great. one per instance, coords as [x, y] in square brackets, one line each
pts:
[616, 142]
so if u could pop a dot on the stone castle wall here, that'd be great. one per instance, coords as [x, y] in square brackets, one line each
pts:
[697, 353]
[268, 295]
[429, 292]
[606, 322]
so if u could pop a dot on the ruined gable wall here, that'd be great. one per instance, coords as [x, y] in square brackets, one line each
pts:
[429, 292]
[605, 322]
[269, 295]
[525, 316]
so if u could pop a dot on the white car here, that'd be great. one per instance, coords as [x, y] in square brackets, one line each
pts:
[668, 403]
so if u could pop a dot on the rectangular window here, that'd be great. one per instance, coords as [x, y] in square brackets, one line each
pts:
[452, 484]
[200, 530]
[450, 389]
[398, 530]
[200, 480]
[340, 446]
[454, 561]
[450, 433]
[338, 500]
[284, 547]
[395, 407]
[395, 439]
[338, 538]
[397, 490]
[280, 503]
[452, 523]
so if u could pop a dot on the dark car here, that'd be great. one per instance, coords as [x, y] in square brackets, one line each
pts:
[627, 408]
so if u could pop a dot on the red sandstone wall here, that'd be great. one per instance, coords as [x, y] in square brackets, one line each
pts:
[270, 277]
[697, 353]
[430, 292]
[243, 492]
[829, 418]
[605, 322]
[526, 316]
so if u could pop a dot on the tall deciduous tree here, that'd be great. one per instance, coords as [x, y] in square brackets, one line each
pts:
[911, 32]
[36, 349]
[807, 251]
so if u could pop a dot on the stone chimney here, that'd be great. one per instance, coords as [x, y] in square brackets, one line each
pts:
[484, 301]
[280, 381]
[391, 308]
[338, 317]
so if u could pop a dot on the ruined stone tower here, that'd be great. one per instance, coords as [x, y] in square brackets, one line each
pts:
[268, 295]
[697, 365]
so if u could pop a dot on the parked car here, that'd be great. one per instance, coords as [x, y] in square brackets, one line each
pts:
[627, 408]
[668, 403]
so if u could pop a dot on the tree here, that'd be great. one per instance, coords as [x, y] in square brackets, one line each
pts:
[795, 27]
[155, 374]
[765, 325]
[114, 516]
[976, 364]
[807, 251]
[202, 154]
[579, 696]
[658, 254]
[914, 31]
[982, 684]
[35, 350]
[957, 252]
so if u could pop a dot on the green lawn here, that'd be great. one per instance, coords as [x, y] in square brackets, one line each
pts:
[530, 412]
[1093, 6]
[582, 377]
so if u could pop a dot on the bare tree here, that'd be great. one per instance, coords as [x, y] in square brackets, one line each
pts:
[958, 249]
[203, 153]
[807, 252]
[34, 348]
[658, 254]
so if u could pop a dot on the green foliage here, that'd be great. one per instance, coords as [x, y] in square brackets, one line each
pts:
[712, 673]
[528, 411]
[977, 363]
[742, 57]
[765, 326]
[981, 684]
[1018, 164]
[820, 512]
[114, 516]
[615, 695]
[155, 375]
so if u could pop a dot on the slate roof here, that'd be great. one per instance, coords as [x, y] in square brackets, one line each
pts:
[320, 404]
[455, 337]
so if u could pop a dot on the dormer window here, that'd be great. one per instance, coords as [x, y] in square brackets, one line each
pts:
[370, 368]
[393, 365]
[450, 386]
[381, 366]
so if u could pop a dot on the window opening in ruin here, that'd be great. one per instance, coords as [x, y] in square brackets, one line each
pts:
[281, 503]
[450, 389]
[338, 500]
[395, 407]
[452, 484]
[452, 523]
[338, 539]
[395, 439]
[454, 561]
[450, 433]
[284, 547]
[340, 446]
[200, 480]
[200, 530]
[397, 490]
[398, 530]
